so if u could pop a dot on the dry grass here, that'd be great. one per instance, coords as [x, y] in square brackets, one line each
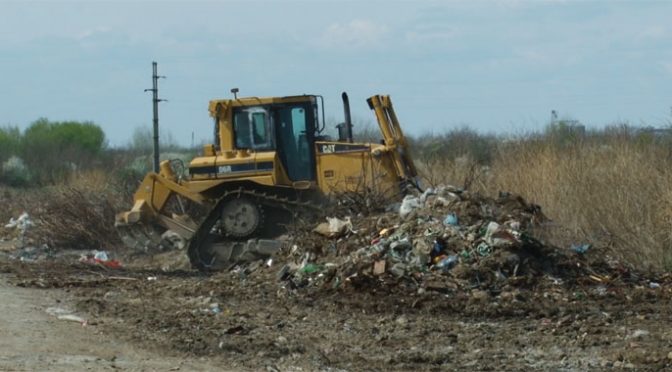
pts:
[95, 180]
[77, 218]
[79, 213]
[614, 192]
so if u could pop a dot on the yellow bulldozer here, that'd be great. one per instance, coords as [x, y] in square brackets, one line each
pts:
[268, 155]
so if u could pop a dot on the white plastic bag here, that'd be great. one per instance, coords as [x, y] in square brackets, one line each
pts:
[409, 204]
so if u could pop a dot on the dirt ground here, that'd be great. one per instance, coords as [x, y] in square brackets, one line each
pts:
[34, 340]
[461, 282]
[144, 318]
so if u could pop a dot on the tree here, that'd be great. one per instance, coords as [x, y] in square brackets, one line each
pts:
[142, 141]
[52, 149]
[10, 138]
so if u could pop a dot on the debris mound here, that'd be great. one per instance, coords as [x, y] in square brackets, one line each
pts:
[445, 238]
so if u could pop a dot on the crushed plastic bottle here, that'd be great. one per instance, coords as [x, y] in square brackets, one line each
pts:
[447, 263]
[215, 309]
[310, 268]
[580, 248]
[101, 255]
[451, 220]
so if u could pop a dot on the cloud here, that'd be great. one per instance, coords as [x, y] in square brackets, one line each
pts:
[536, 55]
[358, 33]
[430, 34]
[667, 66]
[654, 32]
[91, 33]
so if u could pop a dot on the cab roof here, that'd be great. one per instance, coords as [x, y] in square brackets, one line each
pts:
[256, 101]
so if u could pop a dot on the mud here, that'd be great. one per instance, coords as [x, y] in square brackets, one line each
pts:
[248, 320]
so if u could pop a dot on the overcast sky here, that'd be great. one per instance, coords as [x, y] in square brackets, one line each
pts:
[497, 66]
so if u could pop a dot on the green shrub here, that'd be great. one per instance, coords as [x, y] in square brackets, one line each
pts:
[15, 173]
[51, 150]
[10, 138]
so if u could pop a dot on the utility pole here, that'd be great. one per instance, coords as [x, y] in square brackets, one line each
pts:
[155, 102]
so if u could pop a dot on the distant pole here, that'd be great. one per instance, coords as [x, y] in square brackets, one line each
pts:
[155, 103]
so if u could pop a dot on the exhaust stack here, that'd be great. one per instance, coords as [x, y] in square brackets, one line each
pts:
[345, 132]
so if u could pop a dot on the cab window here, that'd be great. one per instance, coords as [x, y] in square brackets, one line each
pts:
[294, 142]
[252, 129]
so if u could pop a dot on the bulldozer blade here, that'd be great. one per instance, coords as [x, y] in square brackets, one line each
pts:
[225, 255]
[141, 237]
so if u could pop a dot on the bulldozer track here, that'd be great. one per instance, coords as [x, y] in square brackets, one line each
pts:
[203, 241]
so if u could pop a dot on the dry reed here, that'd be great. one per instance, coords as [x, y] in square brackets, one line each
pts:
[614, 193]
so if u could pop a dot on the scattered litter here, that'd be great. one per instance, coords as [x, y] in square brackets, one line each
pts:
[334, 227]
[56, 311]
[398, 270]
[601, 290]
[596, 278]
[654, 285]
[379, 267]
[64, 314]
[580, 248]
[428, 191]
[483, 249]
[450, 220]
[639, 333]
[72, 318]
[100, 258]
[401, 320]
[447, 263]
[171, 239]
[310, 268]
[215, 309]
[408, 205]
[386, 232]
[22, 223]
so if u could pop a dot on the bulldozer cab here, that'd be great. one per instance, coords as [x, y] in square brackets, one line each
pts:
[287, 126]
[279, 138]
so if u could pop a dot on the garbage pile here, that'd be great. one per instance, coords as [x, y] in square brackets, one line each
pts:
[461, 238]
